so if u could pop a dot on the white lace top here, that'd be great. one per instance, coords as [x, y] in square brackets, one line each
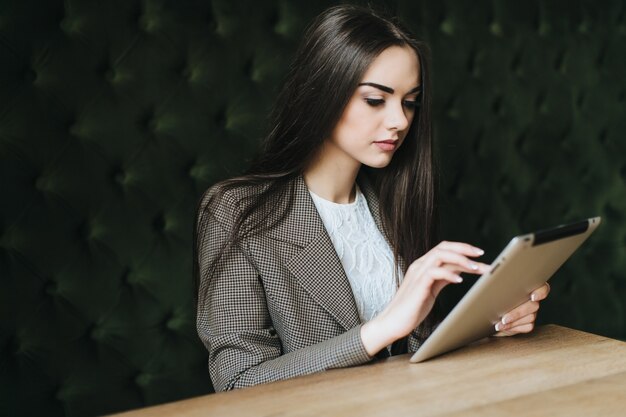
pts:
[364, 253]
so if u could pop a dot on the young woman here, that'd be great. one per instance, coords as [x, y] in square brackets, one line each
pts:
[323, 255]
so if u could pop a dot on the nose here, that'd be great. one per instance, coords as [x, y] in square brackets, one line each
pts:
[396, 119]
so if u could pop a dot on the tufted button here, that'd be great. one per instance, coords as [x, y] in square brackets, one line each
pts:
[75, 129]
[600, 59]
[185, 72]
[43, 183]
[159, 224]
[117, 76]
[496, 29]
[118, 176]
[194, 74]
[125, 277]
[173, 322]
[559, 61]
[51, 288]
[613, 214]
[105, 71]
[199, 172]
[472, 64]
[447, 27]
[113, 76]
[520, 141]
[496, 105]
[90, 231]
[12, 344]
[272, 19]
[516, 61]
[452, 110]
[59, 394]
[30, 76]
[583, 27]
[147, 122]
[149, 22]
[580, 99]
[143, 379]
[220, 117]
[248, 68]
[128, 278]
[209, 19]
[541, 102]
[544, 28]
[603, 136]
[96, 333]
[71, 25]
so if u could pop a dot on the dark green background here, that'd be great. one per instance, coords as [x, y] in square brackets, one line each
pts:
[116, 115]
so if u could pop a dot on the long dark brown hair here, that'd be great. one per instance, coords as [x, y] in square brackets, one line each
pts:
[337, 48]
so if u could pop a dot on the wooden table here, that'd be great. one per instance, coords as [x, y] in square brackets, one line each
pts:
[553, 371]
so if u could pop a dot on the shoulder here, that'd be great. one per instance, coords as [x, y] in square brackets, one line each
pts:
[233, 198]
[226, 198]
[225, 193]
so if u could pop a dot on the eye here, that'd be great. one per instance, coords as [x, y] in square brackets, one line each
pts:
[412, 104]
[374, 101]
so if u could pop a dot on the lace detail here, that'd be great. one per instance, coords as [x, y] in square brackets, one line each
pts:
[364, 253]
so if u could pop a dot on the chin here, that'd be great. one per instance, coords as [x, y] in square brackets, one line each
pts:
[378, 163]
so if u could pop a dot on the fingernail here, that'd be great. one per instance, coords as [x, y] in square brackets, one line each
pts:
[498, 327]
[459, 279]
[479, 251]
[505, 320]
[532, 297]
[474, 267]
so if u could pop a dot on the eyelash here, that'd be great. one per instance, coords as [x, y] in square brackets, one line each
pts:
[407, 103]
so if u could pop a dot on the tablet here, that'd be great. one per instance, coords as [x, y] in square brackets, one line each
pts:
[523, 266]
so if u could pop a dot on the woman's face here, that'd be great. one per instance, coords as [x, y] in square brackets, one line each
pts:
[379, 114]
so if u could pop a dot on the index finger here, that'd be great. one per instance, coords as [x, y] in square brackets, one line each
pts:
[462, 248]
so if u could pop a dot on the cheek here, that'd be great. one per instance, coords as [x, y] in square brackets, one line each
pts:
[358, 120]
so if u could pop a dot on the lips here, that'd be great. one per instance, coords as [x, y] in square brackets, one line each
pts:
[387, 144]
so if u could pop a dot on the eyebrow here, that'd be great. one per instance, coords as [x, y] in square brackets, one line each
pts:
[389, 89]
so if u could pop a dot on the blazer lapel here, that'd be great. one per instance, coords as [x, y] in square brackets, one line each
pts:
[316, 265]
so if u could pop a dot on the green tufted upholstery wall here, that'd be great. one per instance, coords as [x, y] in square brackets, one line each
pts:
[116, 115]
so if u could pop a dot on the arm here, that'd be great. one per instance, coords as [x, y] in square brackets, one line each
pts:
[234, 323]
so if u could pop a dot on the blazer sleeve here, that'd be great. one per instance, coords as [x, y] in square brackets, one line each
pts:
[233, 320]
[422, 332]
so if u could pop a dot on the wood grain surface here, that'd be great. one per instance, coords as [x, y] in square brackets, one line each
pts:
[552, 371]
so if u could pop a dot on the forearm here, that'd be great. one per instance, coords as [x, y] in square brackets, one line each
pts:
[376, 334]
[340, 351]
[375, 337]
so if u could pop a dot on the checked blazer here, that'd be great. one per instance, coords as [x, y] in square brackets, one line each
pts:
[279, 304]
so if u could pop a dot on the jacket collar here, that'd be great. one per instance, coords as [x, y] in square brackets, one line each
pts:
[316, 264]
[303, 224]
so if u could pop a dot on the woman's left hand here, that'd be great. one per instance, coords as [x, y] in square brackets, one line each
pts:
[522, 318]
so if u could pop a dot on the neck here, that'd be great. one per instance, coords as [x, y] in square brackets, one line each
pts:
[332, 175]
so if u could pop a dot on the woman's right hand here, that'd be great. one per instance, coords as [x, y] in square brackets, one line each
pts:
[423, 281]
